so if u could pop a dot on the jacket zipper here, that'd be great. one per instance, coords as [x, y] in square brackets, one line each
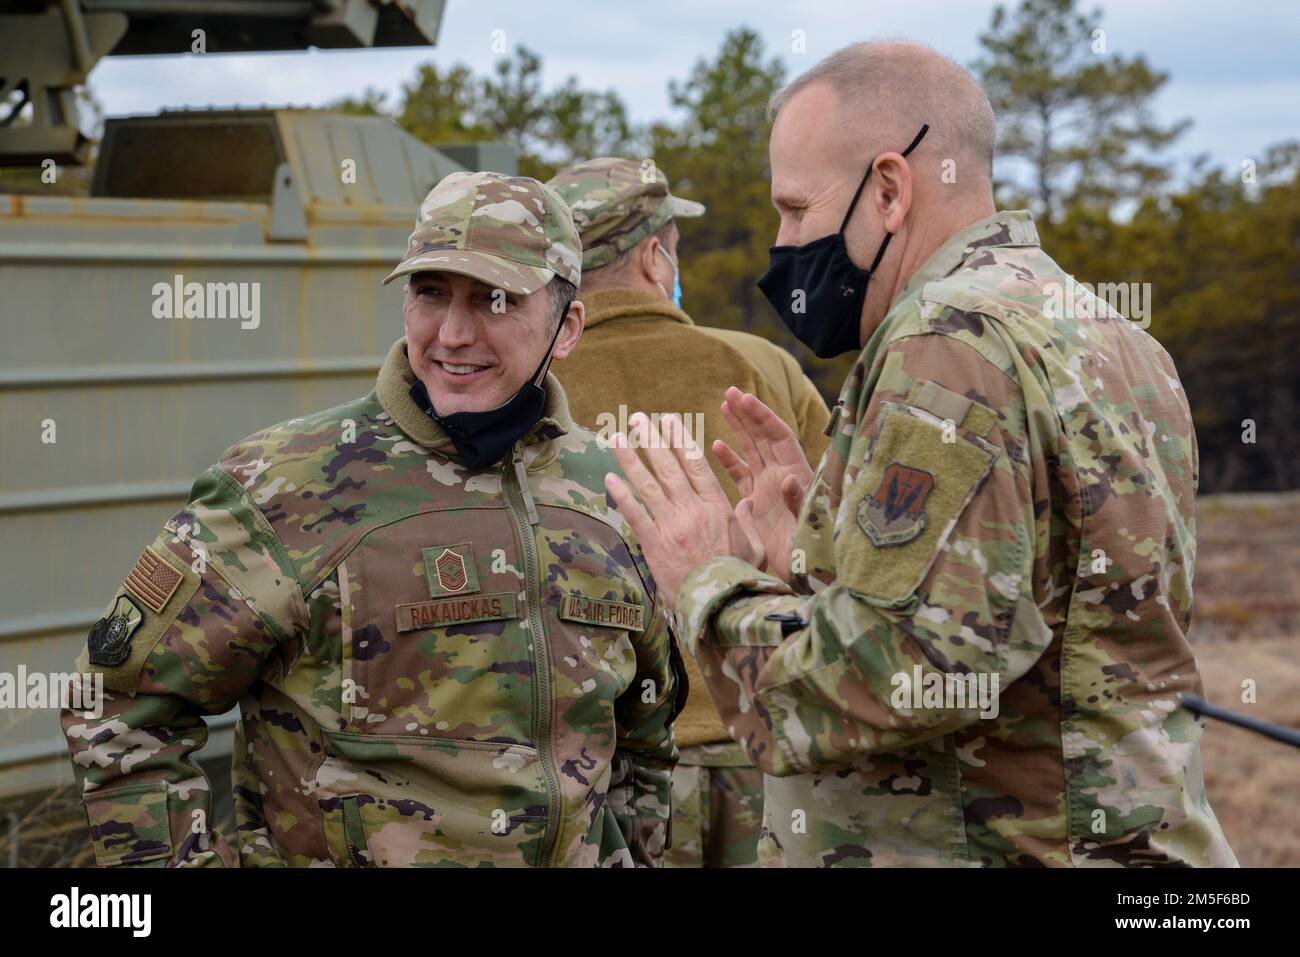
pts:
[354, 831]
[355, 855]
[541, 654]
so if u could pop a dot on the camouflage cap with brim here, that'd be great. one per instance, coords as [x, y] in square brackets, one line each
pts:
[617, 203]
[511, 232]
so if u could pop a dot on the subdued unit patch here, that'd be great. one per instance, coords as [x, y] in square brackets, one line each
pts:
[109, 642]
[895, 513]
[910, 441]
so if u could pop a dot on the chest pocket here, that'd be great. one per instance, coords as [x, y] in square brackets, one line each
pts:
[595, 610]
[919, 474]
[433, 644]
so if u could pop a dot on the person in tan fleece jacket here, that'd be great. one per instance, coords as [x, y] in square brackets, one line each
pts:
[630, 284]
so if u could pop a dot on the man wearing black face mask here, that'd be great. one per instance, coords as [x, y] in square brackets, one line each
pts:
[444, 642]
[963, 641]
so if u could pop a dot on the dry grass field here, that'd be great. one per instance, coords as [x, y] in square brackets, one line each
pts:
[1246, 625]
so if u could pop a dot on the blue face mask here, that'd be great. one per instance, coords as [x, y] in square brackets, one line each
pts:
[677, 282]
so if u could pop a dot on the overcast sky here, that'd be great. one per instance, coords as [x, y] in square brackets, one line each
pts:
[1234, 67]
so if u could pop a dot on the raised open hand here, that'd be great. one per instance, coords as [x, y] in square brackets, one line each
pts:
[770, 471]
[679, 512]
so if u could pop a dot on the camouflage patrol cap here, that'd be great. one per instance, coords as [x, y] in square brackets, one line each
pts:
[617, 203]
[511, 232]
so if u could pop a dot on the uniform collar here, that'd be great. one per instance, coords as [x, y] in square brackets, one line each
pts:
[1013, 227]
[394, 391]
[624, 303]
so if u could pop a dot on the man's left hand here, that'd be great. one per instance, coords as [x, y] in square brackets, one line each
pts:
[676, 506]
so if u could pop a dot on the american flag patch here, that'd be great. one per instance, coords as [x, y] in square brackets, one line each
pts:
[152, 580]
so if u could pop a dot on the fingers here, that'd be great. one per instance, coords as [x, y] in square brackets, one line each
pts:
[732, 411]
[765, 423]
[638, 476]
[691, 460]
[792, 493]
[769, 429]
[735, 466]
[764, 437]
[633, 511]
[662, 458]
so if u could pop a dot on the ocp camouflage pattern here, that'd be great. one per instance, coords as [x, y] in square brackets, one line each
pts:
[1050, 547]
[482, 729]
[616, 203]
[717, 808]
[510, 231]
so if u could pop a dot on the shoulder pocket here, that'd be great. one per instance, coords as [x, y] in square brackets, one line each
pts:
[919, 475]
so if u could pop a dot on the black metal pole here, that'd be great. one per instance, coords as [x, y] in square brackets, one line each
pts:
[1277, 732]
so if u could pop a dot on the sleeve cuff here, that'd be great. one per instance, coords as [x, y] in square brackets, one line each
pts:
[713, 583]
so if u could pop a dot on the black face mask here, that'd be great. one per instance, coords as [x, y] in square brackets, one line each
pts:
[830, 318]
[482, 438]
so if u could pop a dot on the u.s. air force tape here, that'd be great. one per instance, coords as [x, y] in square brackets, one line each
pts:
[603, 612]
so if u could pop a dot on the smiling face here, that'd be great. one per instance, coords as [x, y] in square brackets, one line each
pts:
[474, 346]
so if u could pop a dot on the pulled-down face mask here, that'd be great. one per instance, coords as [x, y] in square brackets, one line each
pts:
[483, 438]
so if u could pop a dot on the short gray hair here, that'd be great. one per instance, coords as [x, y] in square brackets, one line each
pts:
[561, 293]
[623, 261]
[910, 84]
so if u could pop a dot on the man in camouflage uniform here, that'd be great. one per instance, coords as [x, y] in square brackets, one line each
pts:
[436, 663]
[1006, 507]
[627, 219]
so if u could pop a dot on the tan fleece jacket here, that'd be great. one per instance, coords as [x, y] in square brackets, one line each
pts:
[641, 352]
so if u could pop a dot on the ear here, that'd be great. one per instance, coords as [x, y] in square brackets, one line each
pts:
[648, 259]
[891, 192]
[571, 330]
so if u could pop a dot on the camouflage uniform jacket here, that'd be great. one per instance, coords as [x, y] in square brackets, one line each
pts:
[1008, 497]
[433, 666]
